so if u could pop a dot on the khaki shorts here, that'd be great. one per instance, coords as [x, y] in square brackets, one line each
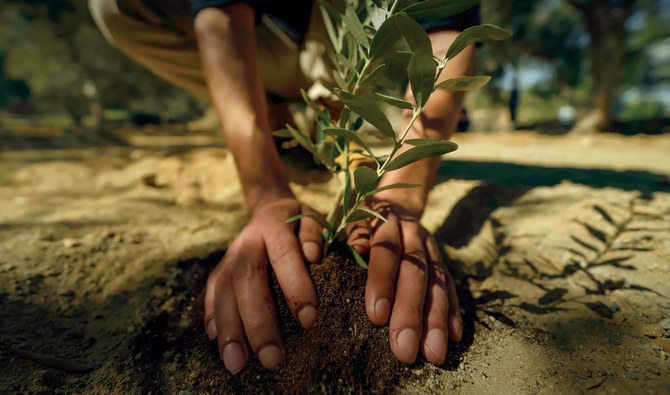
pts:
[166, 45]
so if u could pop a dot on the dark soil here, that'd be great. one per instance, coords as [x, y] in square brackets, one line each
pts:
[344, 352]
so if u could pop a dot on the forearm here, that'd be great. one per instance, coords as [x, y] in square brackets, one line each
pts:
[437, 121]
[227, 44]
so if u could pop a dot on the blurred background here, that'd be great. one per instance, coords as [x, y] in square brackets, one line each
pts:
[553, 216]
[581, 66]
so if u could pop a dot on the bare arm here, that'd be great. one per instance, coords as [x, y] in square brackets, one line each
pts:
[438, 121]
[238, 303]
[227, 43]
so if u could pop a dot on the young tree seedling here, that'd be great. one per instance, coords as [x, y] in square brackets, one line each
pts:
[365, 38]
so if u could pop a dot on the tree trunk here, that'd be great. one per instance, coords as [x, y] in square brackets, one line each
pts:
[606, 57]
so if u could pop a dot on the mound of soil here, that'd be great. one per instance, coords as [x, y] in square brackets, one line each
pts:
[344, 352]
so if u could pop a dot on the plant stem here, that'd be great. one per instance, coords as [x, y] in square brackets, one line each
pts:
[395, 3]
[399, 143]
[362, 74]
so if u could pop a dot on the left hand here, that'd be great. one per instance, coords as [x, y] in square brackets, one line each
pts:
[407, 281]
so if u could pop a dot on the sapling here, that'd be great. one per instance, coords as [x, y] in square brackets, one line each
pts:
[365, 38]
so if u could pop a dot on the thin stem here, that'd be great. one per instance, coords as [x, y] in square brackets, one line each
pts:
[395, 3]
[440, 68]
[360, 77]
[400, 142]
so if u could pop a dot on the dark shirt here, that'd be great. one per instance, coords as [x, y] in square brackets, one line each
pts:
[292, 16]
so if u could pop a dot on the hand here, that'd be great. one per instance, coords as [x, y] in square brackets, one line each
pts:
[238, 302]
[408, 282]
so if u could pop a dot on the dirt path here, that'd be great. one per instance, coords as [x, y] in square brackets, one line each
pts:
[561, 247]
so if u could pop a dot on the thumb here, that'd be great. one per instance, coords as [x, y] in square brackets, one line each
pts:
[359, 237]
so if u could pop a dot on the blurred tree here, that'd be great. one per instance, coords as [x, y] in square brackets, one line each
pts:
[605, 21]
[589, 43]
[54, 46]
[11, 89]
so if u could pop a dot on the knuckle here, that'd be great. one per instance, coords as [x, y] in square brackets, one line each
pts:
[245, 270]
[282, 252]
[386, 233]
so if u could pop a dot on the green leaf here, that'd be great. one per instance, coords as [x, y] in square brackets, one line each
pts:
[359, 259]
[282, 133]
[301, 138]
[320, 219]
[340, 6]
[437, 9]
[416, 142]
[420, 152]
[394, 101]
[385, 39]
[340, 82]
[343, 60]
[480, 33]
[374, 76]
[347, 191]
[363, 213]
[464, 83]
[321, 113]
[330, 20]
[369, 111]
[365, 180]
[327, 85]
[356, 124]
[395, 27]
[350, 136]
[414, 33]
[376, 14]
[354, 24]
[393, 186]
[421, 71]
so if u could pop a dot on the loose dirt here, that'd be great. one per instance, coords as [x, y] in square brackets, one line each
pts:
[560, 247]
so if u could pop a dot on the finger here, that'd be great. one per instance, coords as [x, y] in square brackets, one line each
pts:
[210, 324]
[294, 280]
[407, 315]
[454, 319]
[359, 236]
[310, 237]
[382, 270]
[226, 319]
[256, 306]
[434, 340]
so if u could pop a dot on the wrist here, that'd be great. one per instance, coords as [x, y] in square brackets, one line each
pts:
[411, 199]
[260, 197]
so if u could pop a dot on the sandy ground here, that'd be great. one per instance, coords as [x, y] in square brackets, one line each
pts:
[560, 246]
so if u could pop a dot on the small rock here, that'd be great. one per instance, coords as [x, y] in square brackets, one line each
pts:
[69, 243]
[665, 304]
[665, 323]
[498, 325]
[652, 331]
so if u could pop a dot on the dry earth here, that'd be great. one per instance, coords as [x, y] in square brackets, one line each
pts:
[560, 246]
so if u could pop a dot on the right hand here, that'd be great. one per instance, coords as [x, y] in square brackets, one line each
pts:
[239, 308]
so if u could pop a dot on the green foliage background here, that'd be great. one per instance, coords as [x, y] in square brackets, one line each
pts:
[52, 48]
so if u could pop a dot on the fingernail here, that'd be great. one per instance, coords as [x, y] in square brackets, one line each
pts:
[307, 316]
[408, 345]
[233, 357]
[457, 327]
[270, 356]
[311, 251]
[382, 310]
[436, 342]
[210, 329]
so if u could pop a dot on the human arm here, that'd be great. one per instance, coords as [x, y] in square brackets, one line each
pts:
[237, 311]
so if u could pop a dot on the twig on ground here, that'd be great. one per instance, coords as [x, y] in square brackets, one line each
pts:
[53, 362]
